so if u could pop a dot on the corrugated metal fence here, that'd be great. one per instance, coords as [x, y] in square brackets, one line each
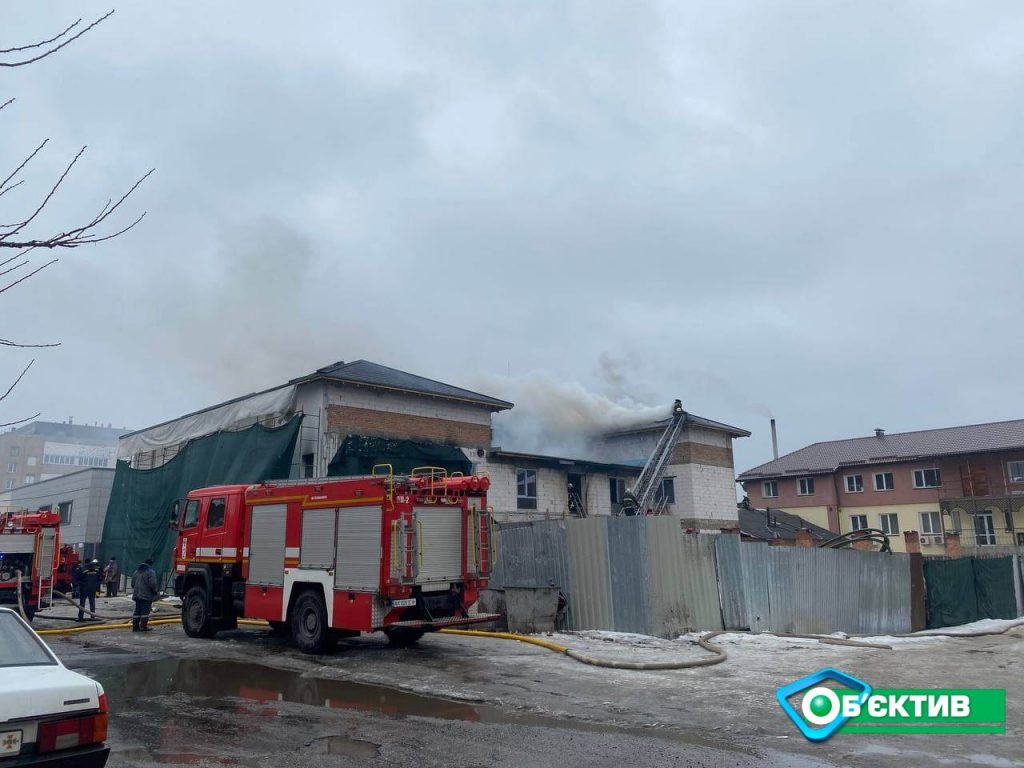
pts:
[644, 575]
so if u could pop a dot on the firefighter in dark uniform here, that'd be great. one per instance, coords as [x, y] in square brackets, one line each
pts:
[89, 576]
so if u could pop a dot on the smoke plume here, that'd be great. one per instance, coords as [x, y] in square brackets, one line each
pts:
[561, 418]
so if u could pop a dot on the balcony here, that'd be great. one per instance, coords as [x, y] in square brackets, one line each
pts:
[985, 521]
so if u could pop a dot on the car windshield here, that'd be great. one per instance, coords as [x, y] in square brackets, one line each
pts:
[19, 645]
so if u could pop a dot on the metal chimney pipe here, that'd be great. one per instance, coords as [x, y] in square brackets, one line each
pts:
[775, 441]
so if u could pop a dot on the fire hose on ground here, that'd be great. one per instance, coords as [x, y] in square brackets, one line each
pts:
[704, 641]
[63, 596]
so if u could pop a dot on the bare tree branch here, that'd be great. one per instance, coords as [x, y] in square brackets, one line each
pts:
[16, 228]
[81, 235]
[41, 43]
[24, 162]
[26, 277]
[16, 381]
[21, 345]
[20, 421]
[56, 48]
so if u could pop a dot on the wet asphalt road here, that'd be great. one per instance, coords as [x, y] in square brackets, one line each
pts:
[168, 710]
[249, 699]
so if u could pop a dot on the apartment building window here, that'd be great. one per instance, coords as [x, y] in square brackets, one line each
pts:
[29, 479]
[12, 467]
[858, 522]
[15, 451]
[91, 461]
[927, 478]
[8, 484]
[984, 529]
[53, 458]
[805, 486]
[30, 461]
[931, 524]
[64, 508]
[770, 489]
[526, 488]
[884, 481]
[854, 483]
[889, 523]
[666, 491]
[1015, 469]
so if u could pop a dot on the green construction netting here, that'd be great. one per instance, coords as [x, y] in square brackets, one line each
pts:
[950, 593]
[993, 583]
[136, 527]
[968, 589]
[358, 454]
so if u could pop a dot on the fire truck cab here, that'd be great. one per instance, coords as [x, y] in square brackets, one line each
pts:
[29, 542]
[331, 558]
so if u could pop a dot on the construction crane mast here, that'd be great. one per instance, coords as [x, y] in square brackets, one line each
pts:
[643, 495]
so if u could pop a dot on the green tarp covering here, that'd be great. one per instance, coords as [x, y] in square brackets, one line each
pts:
[358, 455]
[951, 598]
[993, 583]
[968, 589]
[136, 527]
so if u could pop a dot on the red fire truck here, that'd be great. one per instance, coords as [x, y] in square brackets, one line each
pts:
[324, 559]
[29, 542]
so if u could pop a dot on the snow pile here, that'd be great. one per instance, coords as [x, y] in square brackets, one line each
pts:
[984, 625]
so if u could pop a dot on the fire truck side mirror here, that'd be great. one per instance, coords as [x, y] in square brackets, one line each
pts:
[175, 516]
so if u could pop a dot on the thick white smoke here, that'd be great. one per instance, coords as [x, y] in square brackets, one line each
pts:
[561, 418]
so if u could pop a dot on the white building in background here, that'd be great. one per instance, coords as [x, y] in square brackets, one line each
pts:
[42, 450]
[80, 496]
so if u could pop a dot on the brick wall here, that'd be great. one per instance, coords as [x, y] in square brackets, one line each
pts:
[342, 419]
[702, 453]
[405, 403]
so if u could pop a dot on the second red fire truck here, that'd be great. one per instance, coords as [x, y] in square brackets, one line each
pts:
[324, 559]
[29, 546]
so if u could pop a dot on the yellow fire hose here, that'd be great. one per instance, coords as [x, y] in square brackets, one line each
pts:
[152, 623]
[703, 642]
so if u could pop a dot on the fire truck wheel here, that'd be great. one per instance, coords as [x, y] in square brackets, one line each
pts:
[310, 629]
[402, 638]
[195, 614]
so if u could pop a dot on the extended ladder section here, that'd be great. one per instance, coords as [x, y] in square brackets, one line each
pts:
[643, 495]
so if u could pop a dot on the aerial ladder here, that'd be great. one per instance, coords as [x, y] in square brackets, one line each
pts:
[643, 496]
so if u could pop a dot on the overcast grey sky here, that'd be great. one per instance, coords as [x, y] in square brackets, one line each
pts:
[807, 207]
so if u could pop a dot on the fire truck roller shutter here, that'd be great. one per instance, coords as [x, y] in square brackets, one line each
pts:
[317, 538]
[18, 544]
[266, 545]
[46, 552]
[439, 539]
[358, 548]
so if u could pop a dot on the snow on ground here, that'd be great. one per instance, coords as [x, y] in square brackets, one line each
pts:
[985, 625]
[618, 645]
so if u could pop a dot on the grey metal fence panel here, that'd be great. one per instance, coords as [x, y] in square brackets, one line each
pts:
[731, 593]
[589, 596]
[885, 606]
[683, 584]
[531, 555]
[814, 590]
[627, 563]
[756, 606]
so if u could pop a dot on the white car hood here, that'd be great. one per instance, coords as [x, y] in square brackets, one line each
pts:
[44, 690]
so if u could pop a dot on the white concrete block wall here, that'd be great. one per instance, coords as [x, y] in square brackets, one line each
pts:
[704, 491]
[552, 490]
